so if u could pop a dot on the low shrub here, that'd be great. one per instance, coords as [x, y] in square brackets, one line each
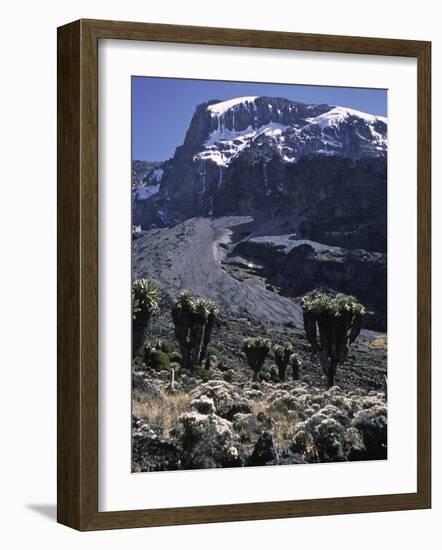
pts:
[228, 375]
[202, 373]
[340, 426]
[158, 360]
[168, 347]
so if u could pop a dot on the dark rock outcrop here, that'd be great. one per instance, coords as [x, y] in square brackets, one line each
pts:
[300, 266]
[265, 452]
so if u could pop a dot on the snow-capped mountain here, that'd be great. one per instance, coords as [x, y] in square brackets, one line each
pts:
[277, 158]
[221, 131]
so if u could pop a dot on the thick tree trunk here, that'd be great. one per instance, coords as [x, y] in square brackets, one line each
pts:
[206, 338]
[139, 334]
[181, 321]
[282, 371]
[311, 330]
[196, 338]
[185, 352]
[331, 374]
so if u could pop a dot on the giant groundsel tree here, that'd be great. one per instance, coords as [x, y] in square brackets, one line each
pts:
[193, 319]
[337, 321]
[144, 303]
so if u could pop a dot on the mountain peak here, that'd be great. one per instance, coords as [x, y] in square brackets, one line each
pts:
[222, 130]
[223, 106]
[337, 115]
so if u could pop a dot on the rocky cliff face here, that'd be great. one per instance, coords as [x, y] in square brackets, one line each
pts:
[221, 131]
[333, 200]
[296, 266]
[275, 156]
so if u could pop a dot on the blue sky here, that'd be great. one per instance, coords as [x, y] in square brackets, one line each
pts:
[163, 107]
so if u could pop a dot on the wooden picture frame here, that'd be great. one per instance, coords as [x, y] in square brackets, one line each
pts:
[78, 274]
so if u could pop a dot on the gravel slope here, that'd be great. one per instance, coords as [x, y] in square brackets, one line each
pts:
[188, 256]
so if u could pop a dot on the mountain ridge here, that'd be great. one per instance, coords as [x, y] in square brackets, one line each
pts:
[220, 130]
[276, 157]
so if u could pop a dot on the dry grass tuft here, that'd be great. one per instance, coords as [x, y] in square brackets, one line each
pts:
[283, 421]
[381, 342]
[162, 414]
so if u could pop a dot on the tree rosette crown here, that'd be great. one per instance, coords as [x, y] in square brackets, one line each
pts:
[144, 298]
[251, 344]
[319, 303]
[197, 306]
[144, 302]
[256, 350]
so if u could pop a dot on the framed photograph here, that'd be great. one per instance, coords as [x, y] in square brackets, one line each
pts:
[243, 275]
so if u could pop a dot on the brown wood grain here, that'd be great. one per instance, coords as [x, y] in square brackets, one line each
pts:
[68, 276]
[77, 224]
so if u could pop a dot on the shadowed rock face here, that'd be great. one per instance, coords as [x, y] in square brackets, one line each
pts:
[300, 266]
[342, 202]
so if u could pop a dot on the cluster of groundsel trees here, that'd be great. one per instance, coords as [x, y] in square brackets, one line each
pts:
[193, 319]
[331, 324]
[257, 349]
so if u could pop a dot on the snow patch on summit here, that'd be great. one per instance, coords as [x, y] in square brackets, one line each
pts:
[338, 131]
[338, 115]
[224, 145]
[222, 107]
[225, 135]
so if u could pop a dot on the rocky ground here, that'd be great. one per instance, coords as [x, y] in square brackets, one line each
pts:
[218, 417]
